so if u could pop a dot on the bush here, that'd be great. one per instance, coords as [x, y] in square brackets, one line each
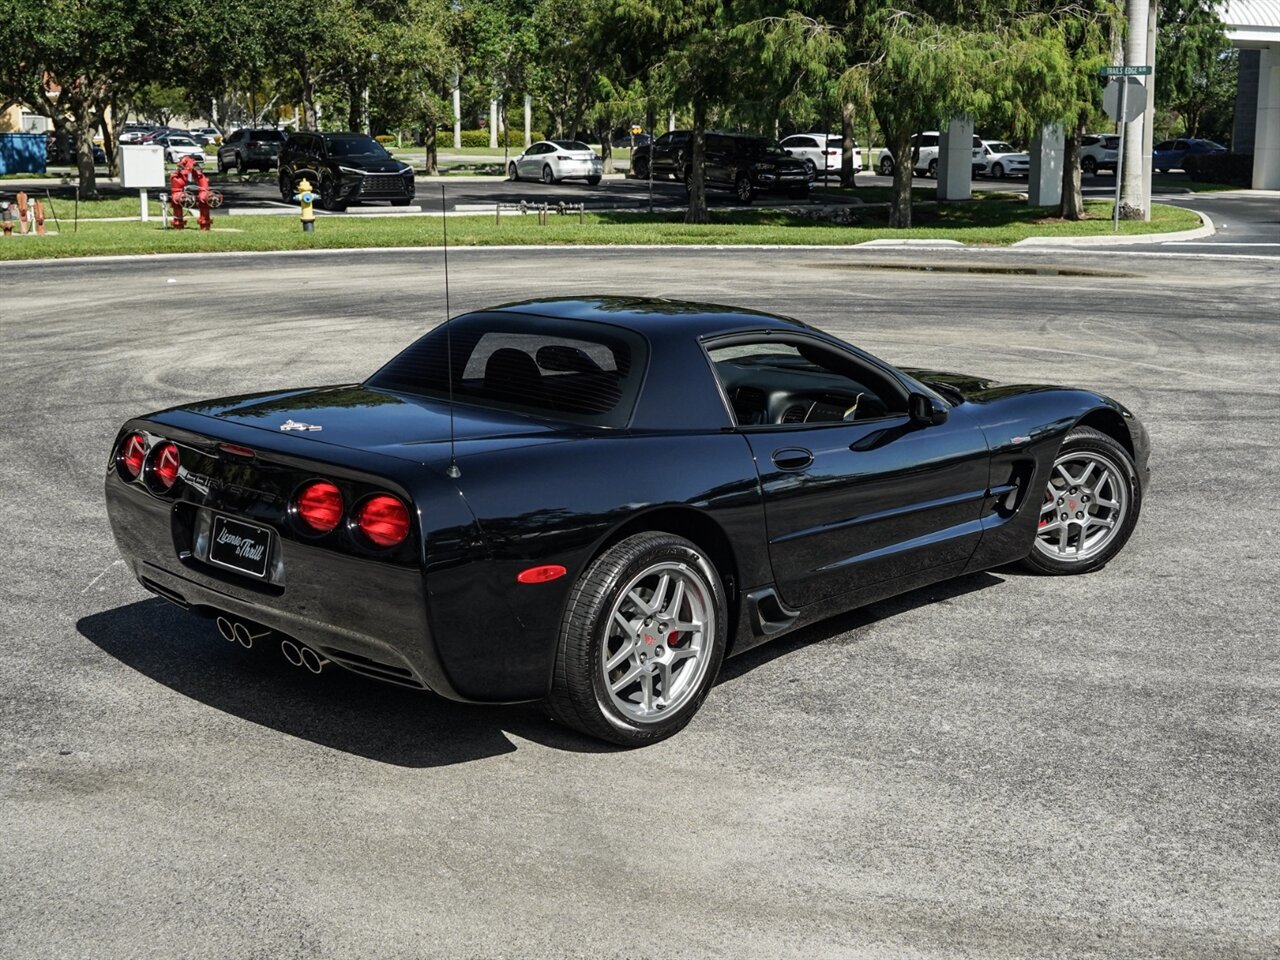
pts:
[480, 138]
[1235, 168]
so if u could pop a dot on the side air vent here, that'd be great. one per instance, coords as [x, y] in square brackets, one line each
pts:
[795, 413]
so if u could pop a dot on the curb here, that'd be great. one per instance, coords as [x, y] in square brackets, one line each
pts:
[1206, 229]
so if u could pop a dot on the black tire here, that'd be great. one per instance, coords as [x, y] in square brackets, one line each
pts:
[547, 176]
[932, 169]
[743, 189]
[327, 194]
[286, 190]
[1087, 442]
[1089, 165]
[593, 181]
[640, 168]
[222, 167]
[579, 696]
[812, 169]
[997, 170]
[513, 172]
[239, 165]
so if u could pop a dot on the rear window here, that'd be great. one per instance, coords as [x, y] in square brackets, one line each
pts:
[1111, 143]
[571, 145]
[838, 144]
[552, 369]
[277, 135]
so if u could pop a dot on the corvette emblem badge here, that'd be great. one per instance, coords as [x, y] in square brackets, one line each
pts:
[295, 425]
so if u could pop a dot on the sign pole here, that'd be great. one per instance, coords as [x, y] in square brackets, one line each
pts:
[1115, 210]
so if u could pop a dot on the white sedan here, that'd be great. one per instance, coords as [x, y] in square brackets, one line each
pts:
[820, 152]
[554, 160]
[1000, 159]
[175, 148]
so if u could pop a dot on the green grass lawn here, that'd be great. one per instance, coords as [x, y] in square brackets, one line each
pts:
[994, 220]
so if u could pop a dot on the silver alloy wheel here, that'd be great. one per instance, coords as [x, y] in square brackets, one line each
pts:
[1085, 505]
[655, 651]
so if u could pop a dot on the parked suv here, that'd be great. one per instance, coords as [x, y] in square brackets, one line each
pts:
[246, 149]
[821, 152]
[751, 165]
[344, 168]
[668, 155]
[1099, 151]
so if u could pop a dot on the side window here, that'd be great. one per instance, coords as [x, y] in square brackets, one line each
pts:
[773, 383]
[929, 140]
[802, 142]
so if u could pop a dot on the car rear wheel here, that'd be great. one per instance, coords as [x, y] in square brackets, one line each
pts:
[222, 167]
[640, 168]
[641, 642]
[886, 167]
[1089, 165]
[1090, 505]
[547, 176]
[932, 169]
[240, 167]
[997, 170]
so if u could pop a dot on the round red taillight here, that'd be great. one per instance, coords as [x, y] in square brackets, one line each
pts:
[164, 466]
[319, 506]
[383, 519]
[133, 452]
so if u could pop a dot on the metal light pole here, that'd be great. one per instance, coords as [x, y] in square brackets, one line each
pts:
[1148, 124]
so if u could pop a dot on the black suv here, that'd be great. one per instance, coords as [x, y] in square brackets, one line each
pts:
[246, 149]
[751, 165]
[344, 168]
[667, 155]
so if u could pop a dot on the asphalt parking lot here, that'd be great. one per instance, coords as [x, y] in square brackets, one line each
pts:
[1006, 766]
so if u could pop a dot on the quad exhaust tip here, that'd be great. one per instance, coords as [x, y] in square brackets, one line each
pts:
[237, 632]
[301, 655]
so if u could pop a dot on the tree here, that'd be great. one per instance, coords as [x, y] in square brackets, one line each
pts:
[71, 61]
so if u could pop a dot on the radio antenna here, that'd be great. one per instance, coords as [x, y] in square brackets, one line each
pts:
[453, 470]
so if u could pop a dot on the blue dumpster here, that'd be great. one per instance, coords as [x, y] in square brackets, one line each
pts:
[22, 152]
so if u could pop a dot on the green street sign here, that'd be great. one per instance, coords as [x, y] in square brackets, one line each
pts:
[1125, 71]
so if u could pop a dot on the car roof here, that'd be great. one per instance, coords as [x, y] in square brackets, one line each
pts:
[656, 317]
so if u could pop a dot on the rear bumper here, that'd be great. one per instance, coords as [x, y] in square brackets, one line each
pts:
[366, 616]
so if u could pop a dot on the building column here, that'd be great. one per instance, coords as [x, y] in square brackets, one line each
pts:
[493, 124]
[528, 121]
[955, 161]
[1048, 155]
[1266, 138]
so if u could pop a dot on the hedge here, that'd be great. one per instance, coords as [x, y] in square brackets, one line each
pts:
[1220, 167]
[480, 138]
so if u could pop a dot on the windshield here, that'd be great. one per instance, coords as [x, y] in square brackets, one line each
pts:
[352, 147]
[1001, 147]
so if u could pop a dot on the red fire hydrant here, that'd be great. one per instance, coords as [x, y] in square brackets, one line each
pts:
[190, 172]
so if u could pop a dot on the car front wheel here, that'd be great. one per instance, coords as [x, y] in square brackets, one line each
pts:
[997, 170]
[1090, 505]
[886, 167]
[641, 642]
[1089, 165]
[513, 174]
[932, 169]
[743, 189]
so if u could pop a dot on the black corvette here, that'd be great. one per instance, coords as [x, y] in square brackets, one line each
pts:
[620, 493]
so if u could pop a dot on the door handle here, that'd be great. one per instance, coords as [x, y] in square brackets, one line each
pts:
[792, 458]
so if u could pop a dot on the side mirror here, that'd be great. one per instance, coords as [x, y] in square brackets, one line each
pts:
[926, 411]
[788, 153]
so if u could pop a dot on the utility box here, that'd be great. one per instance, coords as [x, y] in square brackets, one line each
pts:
[142, 167]
[22, 152]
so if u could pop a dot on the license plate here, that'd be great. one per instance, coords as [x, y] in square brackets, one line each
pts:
[239, 546]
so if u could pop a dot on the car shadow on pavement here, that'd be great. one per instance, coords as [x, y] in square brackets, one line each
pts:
[942, 592]
[336, 709]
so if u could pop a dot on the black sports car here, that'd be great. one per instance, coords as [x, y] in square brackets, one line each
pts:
[590, 503]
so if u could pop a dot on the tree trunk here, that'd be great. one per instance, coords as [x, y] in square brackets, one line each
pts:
[355, 106]
[309, 119]
[847, 171]
[650, 121]
[82, 113]
[429, 141]
[899, 142]
[1072, 205]
[604, 130]
[111, 137]
[697, 180]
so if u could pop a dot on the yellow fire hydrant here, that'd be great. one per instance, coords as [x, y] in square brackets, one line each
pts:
[306, 197]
